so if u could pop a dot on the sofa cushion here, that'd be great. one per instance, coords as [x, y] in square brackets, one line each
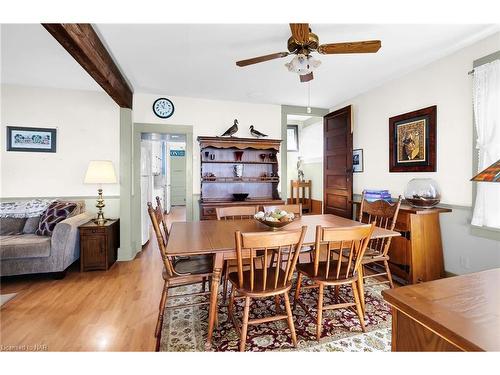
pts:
[57, 212]
[24, 246]
[11, 225]
[31, 225]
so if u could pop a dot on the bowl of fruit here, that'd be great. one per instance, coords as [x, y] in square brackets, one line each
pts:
[275, 219]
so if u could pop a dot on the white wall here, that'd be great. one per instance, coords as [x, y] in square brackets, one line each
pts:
[444, 83]
[87, 125]
[210, 118]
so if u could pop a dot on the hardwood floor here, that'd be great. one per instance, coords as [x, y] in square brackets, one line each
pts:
[112, 310]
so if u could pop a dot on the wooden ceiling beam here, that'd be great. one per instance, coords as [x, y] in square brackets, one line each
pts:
[83, 43]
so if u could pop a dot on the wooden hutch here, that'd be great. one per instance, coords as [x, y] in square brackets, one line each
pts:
[231, 165]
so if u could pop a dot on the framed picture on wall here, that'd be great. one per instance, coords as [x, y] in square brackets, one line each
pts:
[357, 160]
[412, 141]
[292, 138]
[31, 139]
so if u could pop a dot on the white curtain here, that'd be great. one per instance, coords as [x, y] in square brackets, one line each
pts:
[486, 96]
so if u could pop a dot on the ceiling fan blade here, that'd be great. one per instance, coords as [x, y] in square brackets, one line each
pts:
[306, 77]
[367, 46]
[300, 32]
[259, 59]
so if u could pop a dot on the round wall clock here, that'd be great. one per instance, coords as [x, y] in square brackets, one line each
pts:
[163, 108]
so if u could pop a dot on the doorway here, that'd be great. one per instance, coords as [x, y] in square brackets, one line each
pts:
[163, 175]
[305, 156]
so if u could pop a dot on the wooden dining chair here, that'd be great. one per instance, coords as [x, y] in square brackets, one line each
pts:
[177, 271]
[233, 213]
[335, 270]
[267, 280]
[384, 214]
[297, 211]
[295, 208]
[236, 212]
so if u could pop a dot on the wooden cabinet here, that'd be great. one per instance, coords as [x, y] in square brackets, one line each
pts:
[99, 245]
[231, 165]
[417, 255]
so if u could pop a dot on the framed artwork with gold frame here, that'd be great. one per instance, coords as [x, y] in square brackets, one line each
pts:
[412, 141]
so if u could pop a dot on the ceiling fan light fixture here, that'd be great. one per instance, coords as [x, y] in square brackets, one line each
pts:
[302, 64]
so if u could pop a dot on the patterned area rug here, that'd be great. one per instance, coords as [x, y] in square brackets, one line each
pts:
[185, 329]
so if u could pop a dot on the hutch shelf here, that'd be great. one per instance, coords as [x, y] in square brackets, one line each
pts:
[238, 166]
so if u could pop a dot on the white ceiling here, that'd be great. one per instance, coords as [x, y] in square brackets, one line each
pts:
[198, 60]
[32, 57]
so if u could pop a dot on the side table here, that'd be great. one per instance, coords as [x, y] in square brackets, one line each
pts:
[99, 245]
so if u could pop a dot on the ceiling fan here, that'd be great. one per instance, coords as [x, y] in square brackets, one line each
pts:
[302, 42]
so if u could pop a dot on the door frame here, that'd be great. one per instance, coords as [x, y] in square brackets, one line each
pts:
[285, 111]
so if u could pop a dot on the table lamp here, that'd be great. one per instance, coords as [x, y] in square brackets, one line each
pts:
[100, 172]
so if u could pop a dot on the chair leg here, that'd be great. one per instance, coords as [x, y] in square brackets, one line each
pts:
[358, 306]
[226, 281]
[337, 289]
[244, 326]
[161, 308]
[297, 290]
[290, 320]
[320, 312]
[361, 288]
[277, 303]
[389, 275]
[203, 285]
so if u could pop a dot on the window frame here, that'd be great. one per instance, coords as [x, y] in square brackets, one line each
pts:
[296, 136]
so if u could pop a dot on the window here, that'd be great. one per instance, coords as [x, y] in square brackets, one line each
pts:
[292, 137]
[486, 99]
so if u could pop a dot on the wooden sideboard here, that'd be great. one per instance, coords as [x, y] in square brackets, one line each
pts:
[454, 314]
[417, 255]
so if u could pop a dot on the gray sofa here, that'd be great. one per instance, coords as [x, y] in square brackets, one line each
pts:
[28, 253]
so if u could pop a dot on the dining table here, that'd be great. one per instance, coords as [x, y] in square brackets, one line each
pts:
[217, 238]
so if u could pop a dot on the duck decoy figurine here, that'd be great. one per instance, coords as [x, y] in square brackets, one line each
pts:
[256, 133]
[233, 129]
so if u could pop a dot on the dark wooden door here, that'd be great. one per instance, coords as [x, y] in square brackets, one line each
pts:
[337, 163]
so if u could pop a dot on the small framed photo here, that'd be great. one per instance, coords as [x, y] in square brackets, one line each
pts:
[31, 139]
[292, 138]
[357, 160]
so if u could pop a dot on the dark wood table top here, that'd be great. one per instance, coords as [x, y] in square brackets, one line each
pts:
[464, 310]
[209, 236]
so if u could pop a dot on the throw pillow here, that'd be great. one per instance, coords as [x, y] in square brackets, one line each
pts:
[23, 209]
[31, 225]
[11, 226]
[54, 214]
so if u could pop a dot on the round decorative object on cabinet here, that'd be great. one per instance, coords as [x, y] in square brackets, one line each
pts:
[422, 192]
[163, 108]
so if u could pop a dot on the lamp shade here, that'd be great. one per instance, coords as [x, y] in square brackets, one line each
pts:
[490, 174]
[100, 172]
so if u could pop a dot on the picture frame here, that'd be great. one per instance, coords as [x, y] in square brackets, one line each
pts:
[357, 160]
[27, 139]
[292, 135]
[412, 141]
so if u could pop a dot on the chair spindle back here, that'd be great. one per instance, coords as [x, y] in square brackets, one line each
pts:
[236, 212]
[384, 214]
[267, 246]
[156, 216]
[348, 245]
